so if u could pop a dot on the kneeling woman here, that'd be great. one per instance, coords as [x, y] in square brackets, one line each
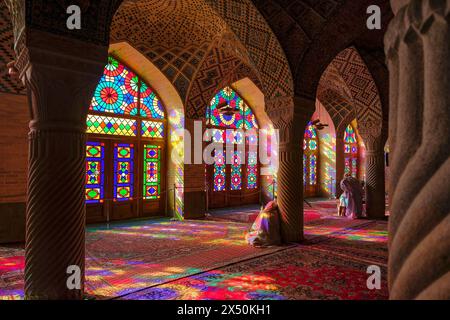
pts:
[265, 231]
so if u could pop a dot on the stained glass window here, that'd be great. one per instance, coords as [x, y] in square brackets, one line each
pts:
[111, 126]
[123, 171]
[252, 137]
[124, 99]
[250, 119]
[219, 170]
[151, 106]
[152, 172]
[234, 136]
[351, 151]
[117, 91]
[214, 135]
[240, 128]
[152, 129]
[236, 171]
[252, 170]
[310, 155]
[242, 119]
[95, 164]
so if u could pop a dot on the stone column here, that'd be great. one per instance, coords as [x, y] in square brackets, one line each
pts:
[290, 116]
[418, 56]
[60, 76]
[374, 162]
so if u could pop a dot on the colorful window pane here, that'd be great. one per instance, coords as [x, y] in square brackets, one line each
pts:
[151, 106]
[152, 129]
[152, 172]
[347, 148]
[250, 119]
[312, 145]
[252, 170]
[117, 91]
[235, 136]
[312, 170]
[310, 155]
[226, 96]
[214, 135]
[242, 129]
[351, 151]
[219, 170]
[349, 134]
[111, 126]
[305, 168]
[236, 171]
[123, 171]
[95, 163]
[252, 137]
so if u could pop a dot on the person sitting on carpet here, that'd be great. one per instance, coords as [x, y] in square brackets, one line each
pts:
[265, 231]
[353, 192]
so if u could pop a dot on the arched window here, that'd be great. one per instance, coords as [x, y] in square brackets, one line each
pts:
[235, 182]
[125, 147]
[351, 151]
[310, 159]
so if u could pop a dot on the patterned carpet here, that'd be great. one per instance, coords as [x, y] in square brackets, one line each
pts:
[130, 256]
[296, 273]
[162, 259]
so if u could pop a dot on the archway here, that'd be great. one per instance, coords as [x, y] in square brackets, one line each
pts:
[125, 148]
[173, 104]
[233, 178]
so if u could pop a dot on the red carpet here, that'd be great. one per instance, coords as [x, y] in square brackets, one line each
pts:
[131, 256]
[210, 260]
[297, 273]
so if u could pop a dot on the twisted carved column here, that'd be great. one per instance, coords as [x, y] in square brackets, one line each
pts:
[55, 211]
[374, 187]
[290, 116]
[290, 189]
[418, 53]
[60, 84]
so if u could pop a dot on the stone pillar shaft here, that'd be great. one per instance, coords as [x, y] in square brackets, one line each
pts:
[290, 117]
[419, 62]
[60, 86]
[55, 212]
[374, 187]
[290, 192]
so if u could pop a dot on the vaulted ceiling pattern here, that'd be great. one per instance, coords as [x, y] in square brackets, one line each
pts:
[200, 45]
[313, 32]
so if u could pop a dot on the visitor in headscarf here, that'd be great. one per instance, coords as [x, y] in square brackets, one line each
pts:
[265, 231]
[353, 193]
[343, 203]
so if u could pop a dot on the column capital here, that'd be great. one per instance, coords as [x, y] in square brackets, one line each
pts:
[290, 116]
[60, 75]
[371, 133]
